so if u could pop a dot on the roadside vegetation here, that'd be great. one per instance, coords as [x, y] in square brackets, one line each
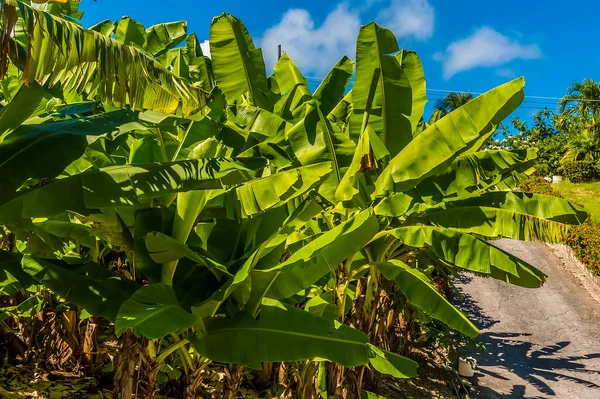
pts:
[187, 226]
[585, 242]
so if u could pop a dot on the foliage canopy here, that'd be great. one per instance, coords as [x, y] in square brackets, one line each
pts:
[256, 219]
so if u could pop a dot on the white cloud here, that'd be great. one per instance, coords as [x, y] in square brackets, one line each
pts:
[484, 48]
[314, 49]
[409, 18]
[205, 48]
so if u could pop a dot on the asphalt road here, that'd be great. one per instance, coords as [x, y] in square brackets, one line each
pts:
[541, 343]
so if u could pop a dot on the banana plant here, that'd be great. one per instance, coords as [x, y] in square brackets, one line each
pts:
[263, 222]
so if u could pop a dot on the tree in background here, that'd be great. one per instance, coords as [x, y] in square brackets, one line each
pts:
[581, 105]
[569, 135]
[543, 134]
[579, 118]
[583, 145]
[452, 101]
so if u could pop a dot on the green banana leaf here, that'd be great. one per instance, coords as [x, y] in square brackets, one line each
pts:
[296, 220]
[381, 93]
[191, 203]
[153, 312]
[281, 334]
[392, 364]
[498, 223]
[147, 150]
[163, 249]
[199, 67]
[28, 308]
[128, 185]
[466, 176]
[12, 276]
[419, 291]
[468, 252]
[209, 307]
[311, 138]
[314, 260]
[342, 111]
[20, 108]
[162, 37]
[370, 395]
[54, 146]
[312, 141]
[238, 66]
[147, 221]
[514, 215]
[368, 150]
[293, 87]
[333, 87]
[79, 233]
[538, 205]
[106, 27]
[481, 170]
[411, 65]
[254, 119]
[79, 108]
[118, 73]
[88, 285]
[444, 142]
[323, 306]
[129, 31]
[275, 190]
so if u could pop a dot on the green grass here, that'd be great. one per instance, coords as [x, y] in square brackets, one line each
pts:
[585, 194]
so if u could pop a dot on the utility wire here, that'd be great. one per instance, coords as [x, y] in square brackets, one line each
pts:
[554, 99]
[436, 96]
[534, 97]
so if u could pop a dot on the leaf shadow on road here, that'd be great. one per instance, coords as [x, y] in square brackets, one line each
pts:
[536, 366]
[512, 353]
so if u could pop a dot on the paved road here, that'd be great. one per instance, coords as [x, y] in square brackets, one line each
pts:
[541, 343]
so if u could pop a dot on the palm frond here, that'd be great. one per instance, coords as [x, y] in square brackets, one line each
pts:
[63, 54]
[452, 101]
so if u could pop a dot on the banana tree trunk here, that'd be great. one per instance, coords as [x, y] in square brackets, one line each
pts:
[125, 367]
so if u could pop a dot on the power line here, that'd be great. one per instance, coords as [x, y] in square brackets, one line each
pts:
[534, 97]
[437, 96]
[554, 99]
[530, 107]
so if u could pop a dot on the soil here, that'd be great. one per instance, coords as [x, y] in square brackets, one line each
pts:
[26, 382]
[435, 381]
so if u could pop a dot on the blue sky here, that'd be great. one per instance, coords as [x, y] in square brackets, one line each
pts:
[464, 44]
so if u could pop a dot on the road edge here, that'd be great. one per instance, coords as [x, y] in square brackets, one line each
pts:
[577, 269]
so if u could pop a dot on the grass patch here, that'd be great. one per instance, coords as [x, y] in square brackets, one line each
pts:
[584, 194]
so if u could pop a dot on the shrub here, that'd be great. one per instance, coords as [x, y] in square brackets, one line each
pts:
[580, 171]
[585, 242]
[538, 185]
